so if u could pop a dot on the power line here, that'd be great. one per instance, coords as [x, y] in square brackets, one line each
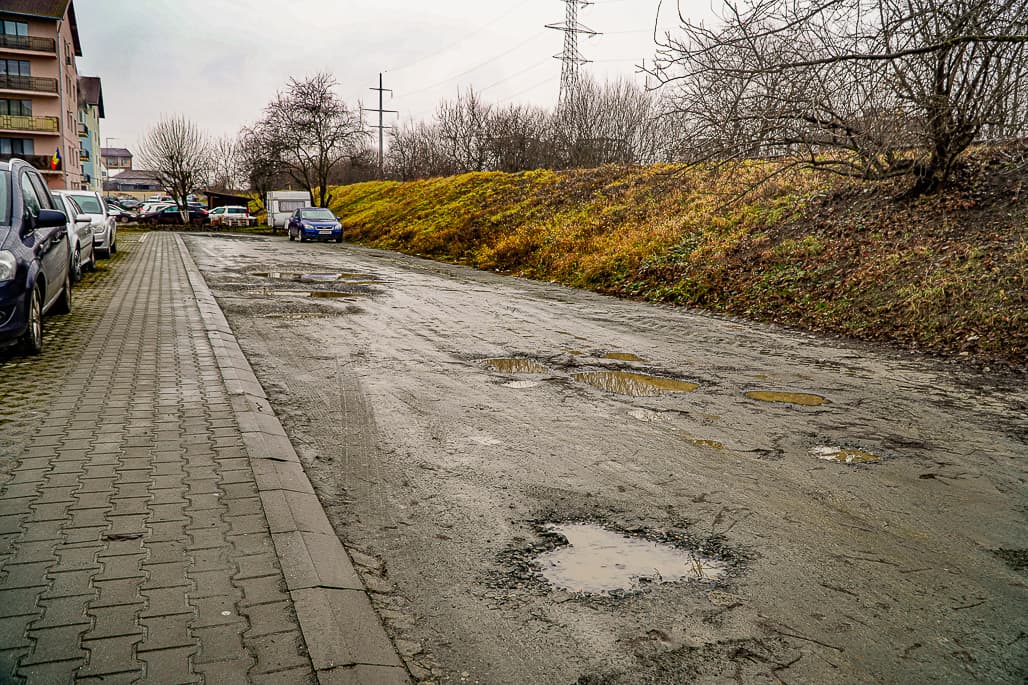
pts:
[457, 42]
[515, 75]
[381, 124]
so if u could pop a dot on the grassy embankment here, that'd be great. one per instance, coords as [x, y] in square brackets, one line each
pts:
[945, 273]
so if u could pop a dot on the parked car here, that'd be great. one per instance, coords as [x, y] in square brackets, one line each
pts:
[232, 215]
[82, 252]
[315, 223]
[169, 214]
[104, 227]
[129, 203]
[34, 257]
[120, 214]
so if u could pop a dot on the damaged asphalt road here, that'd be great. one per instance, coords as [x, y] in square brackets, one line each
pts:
[543, 485]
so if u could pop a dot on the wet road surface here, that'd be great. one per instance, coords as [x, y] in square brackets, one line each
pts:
[543, 485]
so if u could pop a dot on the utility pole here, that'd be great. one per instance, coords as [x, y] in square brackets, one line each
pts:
[571, 58]
[381, 124]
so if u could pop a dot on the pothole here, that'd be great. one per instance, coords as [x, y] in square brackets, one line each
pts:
[711, 444]
[304, 277]
[300, 315]
[634, 384]
[624, 357]
[514, 365]
[598, 561]
[801, 398]
[844, 455]
[304, 293]
[333, 293]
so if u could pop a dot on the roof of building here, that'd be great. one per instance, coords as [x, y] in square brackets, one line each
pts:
[137, 175]
[114, 152]
[91, 93]
[46, 9]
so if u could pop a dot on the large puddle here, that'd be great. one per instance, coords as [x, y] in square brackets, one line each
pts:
[802, 398]
[599, 561]
[844, 455]
[514, 365]
[634, 384]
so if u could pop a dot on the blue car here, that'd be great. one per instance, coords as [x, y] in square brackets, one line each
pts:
[35, 276]
[314, 223]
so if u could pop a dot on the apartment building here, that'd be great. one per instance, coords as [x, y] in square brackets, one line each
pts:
[91, 111]
[39, 84]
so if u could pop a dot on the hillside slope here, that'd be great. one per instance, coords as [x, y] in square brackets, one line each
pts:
[944, 273]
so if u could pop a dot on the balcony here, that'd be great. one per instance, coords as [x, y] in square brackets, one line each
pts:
[84, 155]
[28, 43]
[11, 122]
[35, 84]
[41, 162]
[83, 130]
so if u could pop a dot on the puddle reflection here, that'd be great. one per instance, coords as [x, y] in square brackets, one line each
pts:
[634, 384]
[801, 398]
[599, 561]
[514, 365]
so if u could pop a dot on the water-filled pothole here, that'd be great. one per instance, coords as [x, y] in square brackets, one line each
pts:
[634, 384]
[514, 365]
[305, 293]
[303, 277]
[600, 561]
[711, 444]
[333, 293]
[624, 357]
[844, 455]
[801, 398]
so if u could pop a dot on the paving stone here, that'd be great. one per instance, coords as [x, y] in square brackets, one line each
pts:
[165, 632]
[279, 652]
[55, 644]
[111, 655]
[64, 611]
[169, 666]
[293, 676]
[117, 621]
[363, 675]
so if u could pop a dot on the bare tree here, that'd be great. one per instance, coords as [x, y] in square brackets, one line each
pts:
[180, 155]
[463, 126]
[867, 88]
[225, 166]
[311, 130]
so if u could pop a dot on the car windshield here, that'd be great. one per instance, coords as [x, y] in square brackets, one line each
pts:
[317, 215]
[5, 198]
[87, 204]
[236, 210]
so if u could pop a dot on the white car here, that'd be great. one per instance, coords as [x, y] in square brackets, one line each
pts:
[80, 237]
[231, 215]
[104, 227]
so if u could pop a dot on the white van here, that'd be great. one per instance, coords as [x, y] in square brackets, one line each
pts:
[280, 205]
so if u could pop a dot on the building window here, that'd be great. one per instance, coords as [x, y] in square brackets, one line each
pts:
[15, 67]
[16, 28]
[18, 108]
[16, 146]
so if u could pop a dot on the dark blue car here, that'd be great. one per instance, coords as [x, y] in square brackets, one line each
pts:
[34, 259]
[314, 223]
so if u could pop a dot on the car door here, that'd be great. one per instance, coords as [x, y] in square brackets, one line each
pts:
[82, 229]
[49, 244]
[295, 224]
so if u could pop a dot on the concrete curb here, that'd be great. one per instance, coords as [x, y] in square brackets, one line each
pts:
[345, 638]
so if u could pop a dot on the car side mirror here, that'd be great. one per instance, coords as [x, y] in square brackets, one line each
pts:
[51, 218]
[82, 219]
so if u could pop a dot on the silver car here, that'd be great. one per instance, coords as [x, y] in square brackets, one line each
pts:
[80, 237]
[105, 229]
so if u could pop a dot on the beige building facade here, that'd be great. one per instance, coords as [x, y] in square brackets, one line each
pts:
[39, 84]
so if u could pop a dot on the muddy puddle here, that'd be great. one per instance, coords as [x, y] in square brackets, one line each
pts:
[634, 384]
[801, 398]
[844, 455]
[710, 444]
[599, 561]
[306, 293]
[623, 357]
[514, 365]
[303, 277]
[300, 315]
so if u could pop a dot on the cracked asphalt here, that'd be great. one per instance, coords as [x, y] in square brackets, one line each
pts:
[441, 472]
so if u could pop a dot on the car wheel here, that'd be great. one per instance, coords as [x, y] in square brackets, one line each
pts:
[76, 265]
[63, 303]
[32, 339]
[291, 236]
[113, 248]
[339, 239]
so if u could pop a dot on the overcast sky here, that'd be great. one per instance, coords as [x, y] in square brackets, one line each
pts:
[219, 61]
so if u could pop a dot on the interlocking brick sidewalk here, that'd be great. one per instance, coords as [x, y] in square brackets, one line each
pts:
[146, 526]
